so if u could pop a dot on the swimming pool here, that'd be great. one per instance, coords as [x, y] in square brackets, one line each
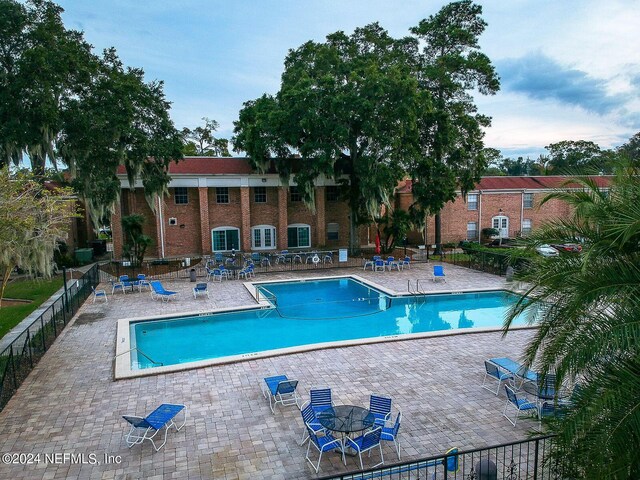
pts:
[307, 313]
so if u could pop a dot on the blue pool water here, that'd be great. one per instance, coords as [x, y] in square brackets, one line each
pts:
[309, 312]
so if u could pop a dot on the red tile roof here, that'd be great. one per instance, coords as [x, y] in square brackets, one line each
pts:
[207, 166]
[240, 166]
[518, 183]
[532, 183]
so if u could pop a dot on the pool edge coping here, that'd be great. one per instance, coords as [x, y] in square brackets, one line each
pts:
[122, 364]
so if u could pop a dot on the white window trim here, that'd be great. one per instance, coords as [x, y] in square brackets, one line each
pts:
[262, 228]
[524, 205]
[469, 203]
[298, 225]
[475, 237]
[255, 193]
[224, 228]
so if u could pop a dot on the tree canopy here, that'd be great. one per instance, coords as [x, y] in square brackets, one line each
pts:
[59, 102]
[587, 307]
[452, 154]
[201, 141]
[32, 220]
[368, 110]
[348, 110]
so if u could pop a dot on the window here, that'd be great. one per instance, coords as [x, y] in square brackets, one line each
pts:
[472, 201]
[526, 226]
[181, 195]
[527, 200]
[472, 231]
[295, 195]
[225, 239]
[298, 235]
[263, 237]
[222, 194]
[331, 193]
[332, 231]
[260, 194]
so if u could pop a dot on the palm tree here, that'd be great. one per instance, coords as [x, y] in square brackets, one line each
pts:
[587, 307]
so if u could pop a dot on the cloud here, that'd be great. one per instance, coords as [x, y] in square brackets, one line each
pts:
[540, 77]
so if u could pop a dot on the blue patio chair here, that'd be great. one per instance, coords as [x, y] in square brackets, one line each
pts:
[392, 262]
[146, 428]
[219, 258]
[405, 262]
[379, 265]
[265, 261]
[142, 281]
[366, 443]
[325, 443]
[225, 272]
[281, 390]
[320, 399]
[390, 434]
[381, 409]
[100, 293]
[438, 273]
[127, 282]
[282, 257]
[119, 285]
[368, 263]
[200, 289]
[215, 274]
[328, 258]
[520, 403]
[493, 372]
[247, 272]
[158, 291]
[310, 421]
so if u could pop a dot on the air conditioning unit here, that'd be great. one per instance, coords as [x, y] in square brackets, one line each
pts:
[173, 221]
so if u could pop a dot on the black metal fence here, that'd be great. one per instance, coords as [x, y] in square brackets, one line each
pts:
[22, 354]
[523, 460]
[176, 268]
[490, 262]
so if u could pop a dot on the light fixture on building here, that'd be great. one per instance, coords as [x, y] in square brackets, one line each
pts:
[264, 180]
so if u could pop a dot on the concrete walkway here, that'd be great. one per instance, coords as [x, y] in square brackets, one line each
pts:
[70, 403]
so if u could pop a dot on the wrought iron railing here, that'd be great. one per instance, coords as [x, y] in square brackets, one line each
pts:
[496, 263]
[22, 354]
[180, 267]
[523, 460]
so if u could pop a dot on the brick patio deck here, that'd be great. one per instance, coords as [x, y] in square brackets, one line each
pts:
[70, 403]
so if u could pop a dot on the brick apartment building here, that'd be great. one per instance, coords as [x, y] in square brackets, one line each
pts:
[220, 204]
[509, 204]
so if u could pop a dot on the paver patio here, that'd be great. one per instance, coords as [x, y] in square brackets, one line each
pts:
[70, 403]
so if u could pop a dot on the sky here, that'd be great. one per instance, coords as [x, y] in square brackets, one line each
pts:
[569, 69]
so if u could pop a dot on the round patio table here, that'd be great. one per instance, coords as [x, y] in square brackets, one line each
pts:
[346, 419]
[234, 269]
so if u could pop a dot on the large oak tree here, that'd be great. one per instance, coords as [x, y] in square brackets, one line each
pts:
[451, 68]
[347, 109]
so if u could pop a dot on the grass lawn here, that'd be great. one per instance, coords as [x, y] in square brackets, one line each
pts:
[38, 291]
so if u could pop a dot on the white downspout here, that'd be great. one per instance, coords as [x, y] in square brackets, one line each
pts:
[479, 215]
[521, 211]
[161, 226]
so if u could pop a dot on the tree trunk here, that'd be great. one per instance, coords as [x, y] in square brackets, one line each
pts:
[5, 279]
[438, 234]
[354, 243]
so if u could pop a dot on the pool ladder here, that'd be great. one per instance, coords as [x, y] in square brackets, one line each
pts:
[418, 294]
[141, 353]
